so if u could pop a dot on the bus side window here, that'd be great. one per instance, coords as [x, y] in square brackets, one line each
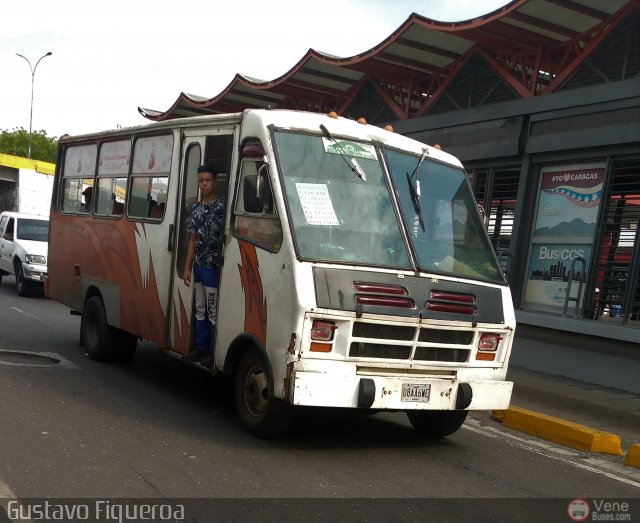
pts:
[79, 167]
[111, 182]
[151, 167]
[74, 195]
[157, 211]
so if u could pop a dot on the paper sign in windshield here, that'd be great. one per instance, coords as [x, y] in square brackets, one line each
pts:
[316, 204]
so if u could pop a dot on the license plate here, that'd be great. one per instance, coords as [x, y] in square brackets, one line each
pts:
[415, 392]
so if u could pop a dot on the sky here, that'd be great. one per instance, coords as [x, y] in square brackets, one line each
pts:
[109, 58]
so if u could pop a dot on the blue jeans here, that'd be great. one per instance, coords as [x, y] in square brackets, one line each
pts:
[205, 283]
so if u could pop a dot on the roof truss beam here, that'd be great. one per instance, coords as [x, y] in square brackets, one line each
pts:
[416, 65]
[428, 48]
[580, 8]
[328, 76]
[542, 24]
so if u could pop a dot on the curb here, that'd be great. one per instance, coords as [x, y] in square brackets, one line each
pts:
[632, 459]
[564, 432]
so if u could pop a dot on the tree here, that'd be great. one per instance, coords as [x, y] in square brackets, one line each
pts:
[16, 142]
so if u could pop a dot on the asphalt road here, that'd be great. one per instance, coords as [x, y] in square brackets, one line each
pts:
[163, 430]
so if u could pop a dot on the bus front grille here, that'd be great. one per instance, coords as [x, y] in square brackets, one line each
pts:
[360, 349]
[382, 331]
[441, 354]
[381, 341]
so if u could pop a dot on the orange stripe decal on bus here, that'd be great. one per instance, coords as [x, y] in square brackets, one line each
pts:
[255, 304]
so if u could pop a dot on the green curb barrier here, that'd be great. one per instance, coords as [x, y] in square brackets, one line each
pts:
[566, 433]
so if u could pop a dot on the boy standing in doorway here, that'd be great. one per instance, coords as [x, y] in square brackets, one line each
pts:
[205, 225]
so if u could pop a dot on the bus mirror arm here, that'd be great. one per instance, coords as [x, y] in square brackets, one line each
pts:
[170, 242]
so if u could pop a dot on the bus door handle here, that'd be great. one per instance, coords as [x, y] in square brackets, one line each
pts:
[170, 243]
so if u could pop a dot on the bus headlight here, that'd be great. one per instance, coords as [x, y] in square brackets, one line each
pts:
[487, 346]
[322, 335]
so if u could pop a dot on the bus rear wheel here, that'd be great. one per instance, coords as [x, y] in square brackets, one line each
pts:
[260, 413]
[437, 423]
[125, 346]
[102, 341]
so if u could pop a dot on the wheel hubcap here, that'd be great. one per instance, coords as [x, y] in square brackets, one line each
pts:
[91, 330]
[256, 391]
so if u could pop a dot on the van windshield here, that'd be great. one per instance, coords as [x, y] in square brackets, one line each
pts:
[337, 214]
[442, 218]
[34, 230]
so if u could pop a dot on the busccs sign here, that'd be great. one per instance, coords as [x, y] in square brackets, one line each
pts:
[559, 254]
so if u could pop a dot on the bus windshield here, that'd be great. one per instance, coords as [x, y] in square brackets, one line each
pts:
[442, 218]
[337, 214]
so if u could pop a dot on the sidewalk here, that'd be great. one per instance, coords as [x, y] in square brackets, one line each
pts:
[600, 408]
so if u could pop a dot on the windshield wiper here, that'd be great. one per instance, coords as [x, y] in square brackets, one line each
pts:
[352, 163]
[415, 191]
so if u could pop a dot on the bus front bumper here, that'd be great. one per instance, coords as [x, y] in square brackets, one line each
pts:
[399, 393]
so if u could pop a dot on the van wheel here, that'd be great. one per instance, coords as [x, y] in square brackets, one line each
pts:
[437, 423]
[260, 413]
[22, 286]
[97, 334]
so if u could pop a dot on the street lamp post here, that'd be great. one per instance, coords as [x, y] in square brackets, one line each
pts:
[33, 74]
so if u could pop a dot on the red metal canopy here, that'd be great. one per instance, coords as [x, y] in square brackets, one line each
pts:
[534, 45]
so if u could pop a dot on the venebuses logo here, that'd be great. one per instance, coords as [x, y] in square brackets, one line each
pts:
[578, 509]
[598, 510]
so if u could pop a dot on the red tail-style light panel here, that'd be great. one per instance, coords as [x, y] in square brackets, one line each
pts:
[385, 301]
[450, 307]
[452, 296]
[453, 302]
[379, 288]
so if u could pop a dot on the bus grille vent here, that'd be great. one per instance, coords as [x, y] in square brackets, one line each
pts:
[380, 341]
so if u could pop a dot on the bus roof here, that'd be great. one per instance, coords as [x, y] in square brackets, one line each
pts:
[283, 119]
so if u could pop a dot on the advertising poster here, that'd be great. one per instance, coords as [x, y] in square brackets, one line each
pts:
[565, 226]
[549, 272]
[114, 158]
[153, 155]
[80, 161]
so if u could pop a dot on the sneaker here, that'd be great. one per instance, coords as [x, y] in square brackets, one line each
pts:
[207, 361]
[195, 356]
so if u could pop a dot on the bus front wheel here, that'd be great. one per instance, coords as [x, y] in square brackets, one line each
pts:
[437, 423]
[260, 413]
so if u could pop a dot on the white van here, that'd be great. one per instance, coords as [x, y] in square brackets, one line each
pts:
[23, 249]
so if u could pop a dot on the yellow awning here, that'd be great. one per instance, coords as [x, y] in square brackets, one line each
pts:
[17, 162]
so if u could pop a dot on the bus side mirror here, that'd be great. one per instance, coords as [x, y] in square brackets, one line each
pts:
[262, 181]
[483, 216]
[250, 199]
